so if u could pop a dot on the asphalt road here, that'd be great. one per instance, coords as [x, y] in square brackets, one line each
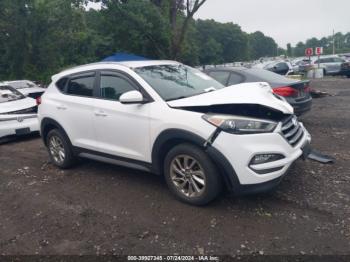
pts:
[97, 208]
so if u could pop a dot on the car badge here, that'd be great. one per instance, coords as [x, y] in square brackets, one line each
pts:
[20, 119]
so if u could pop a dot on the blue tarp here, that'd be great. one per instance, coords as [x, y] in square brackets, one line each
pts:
[122, 57]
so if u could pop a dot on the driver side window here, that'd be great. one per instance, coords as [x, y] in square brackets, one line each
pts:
[113, 86]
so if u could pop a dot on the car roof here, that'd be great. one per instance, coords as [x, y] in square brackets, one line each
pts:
[111, 65]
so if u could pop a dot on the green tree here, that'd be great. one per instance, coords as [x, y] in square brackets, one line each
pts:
[261, 45]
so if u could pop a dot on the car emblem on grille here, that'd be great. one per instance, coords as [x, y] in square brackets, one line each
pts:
[295, 122]
[20, 119]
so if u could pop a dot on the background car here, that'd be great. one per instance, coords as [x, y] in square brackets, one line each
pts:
[331, 65]
[27, 88]
[301, 65]
[345, 69]
[278, 67]
[18, 114]
[297, 93]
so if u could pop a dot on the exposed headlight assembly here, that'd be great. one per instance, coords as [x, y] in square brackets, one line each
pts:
[240, 125]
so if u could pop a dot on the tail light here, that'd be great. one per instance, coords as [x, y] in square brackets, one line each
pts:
[285, 91]
[38, 101]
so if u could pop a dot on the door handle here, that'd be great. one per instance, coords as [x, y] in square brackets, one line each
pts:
[100, 113]
[61, 107]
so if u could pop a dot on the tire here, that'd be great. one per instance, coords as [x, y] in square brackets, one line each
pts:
[58, 138]
[201, 176]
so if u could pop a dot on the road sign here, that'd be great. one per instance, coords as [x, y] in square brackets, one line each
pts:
[309, 51]
[319, 50]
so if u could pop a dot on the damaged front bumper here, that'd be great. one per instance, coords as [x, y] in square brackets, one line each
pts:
[239, 150]
[17, 125]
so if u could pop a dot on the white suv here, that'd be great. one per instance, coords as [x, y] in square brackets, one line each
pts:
[168, 118]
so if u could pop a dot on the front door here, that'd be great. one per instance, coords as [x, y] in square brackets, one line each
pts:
[121, 129]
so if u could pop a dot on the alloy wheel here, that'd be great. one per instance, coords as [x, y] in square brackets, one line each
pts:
[188, 176]
[57, 149]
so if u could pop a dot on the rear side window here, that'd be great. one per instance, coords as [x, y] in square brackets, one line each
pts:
[220, 76]
[61, 84]
[235, 79]
[81, 86]
[282, 66]
[112, 86]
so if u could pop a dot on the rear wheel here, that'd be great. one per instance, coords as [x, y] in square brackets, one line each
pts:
[60, 151]
[191, 175]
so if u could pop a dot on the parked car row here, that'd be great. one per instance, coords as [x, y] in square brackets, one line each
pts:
[174, 120]
[331, 65]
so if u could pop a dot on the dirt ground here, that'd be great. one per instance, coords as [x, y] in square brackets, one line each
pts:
[97, 208]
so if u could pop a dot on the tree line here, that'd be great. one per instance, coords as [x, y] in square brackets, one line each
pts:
[38, 38]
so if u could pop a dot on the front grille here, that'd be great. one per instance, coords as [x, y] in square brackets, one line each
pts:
[31, 110]
[292, 130]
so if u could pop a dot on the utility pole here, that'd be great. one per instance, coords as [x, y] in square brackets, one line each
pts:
[333, 43]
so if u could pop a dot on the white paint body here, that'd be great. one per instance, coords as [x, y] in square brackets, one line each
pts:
[9, 123]
[130, 130]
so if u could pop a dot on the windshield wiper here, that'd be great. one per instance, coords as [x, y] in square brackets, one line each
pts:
[210, 89]
[176, 98]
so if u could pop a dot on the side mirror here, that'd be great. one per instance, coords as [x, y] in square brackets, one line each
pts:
[132, 97]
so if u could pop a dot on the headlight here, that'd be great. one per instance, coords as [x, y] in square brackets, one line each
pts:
[240, 125]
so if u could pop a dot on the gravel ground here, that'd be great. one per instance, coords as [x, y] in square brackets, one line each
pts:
[97, 208]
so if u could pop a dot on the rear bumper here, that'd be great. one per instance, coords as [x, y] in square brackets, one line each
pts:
[301, 107]
[18, 125]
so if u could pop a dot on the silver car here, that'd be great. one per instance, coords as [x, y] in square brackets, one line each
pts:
[331, 65]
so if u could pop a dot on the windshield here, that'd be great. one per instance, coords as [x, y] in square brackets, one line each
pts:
[178, 81]
[8, 94]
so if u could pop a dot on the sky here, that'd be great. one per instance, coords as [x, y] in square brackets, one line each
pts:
[285, 21]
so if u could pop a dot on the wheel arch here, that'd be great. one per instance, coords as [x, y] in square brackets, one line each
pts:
[47, 124]
[171, 137]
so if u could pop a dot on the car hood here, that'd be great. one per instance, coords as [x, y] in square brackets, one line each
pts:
[17, 105]
[247, 93]
[30, 90]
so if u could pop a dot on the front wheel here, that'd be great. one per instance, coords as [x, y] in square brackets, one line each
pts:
[191, 175]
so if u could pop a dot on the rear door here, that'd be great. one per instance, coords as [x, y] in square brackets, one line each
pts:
[74, 108]
[122, 130]
[329, 65]
[337, 62]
